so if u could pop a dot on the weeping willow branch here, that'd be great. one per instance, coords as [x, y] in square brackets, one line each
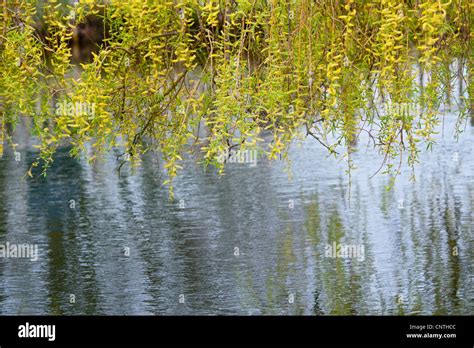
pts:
[218, 74]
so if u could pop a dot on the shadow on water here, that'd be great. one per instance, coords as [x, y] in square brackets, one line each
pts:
[57, 206]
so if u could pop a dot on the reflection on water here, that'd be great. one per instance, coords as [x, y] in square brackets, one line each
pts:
[250, 242]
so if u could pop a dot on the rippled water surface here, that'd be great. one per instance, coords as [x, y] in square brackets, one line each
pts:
[250, 242]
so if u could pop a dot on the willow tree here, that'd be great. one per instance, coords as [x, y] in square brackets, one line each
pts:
[238, 69]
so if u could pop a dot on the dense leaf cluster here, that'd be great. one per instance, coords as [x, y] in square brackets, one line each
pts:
[173, 76]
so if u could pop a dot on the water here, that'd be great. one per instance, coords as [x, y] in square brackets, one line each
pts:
[250, 242]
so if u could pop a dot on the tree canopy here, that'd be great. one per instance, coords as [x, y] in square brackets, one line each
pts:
[173, 76]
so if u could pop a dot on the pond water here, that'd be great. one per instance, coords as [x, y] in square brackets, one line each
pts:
[250, 242]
